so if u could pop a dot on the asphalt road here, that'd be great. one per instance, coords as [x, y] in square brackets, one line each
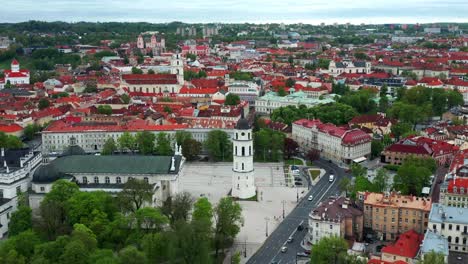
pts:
[271, 249]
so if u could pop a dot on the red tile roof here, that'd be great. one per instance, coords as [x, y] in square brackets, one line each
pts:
[150, 78]
[459, 182]
[10, 128]
[406, 246]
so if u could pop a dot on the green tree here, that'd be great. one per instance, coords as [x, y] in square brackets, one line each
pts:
[202, 210]
[376, 148]
[135, 70]
[103, 256]
[358, 170]
[232, 99]
[23, 243]
[454, 98]
[433, 258]
[104, 109]
[228, 218]
[134, 195]
[329, 250]
[20, 221]
[191, 149]
[10, 141]
[75, 252]
[145, 141]
[381, 181]
[290, 82]
[150, 219]
[159, 247]
[345, 185]
[109, 147]
[12, 256]
[131, 255]
[43, 103]
[399, 129]
[150, 71]
[218, 145]
[163, 144]
[86, 207]
[177, 208]
[167, 109]
[126, 141]
[31, 130]
[236, 258]
[411, 178]
[125, 98]
[181, 136]
[281, 91]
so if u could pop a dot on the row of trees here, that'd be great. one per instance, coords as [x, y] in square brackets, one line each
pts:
[336, 113]
[95, 227]
[411, 177]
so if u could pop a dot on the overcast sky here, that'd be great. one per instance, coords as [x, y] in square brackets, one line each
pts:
[233, 11]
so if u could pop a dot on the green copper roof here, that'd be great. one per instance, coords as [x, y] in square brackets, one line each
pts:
[118, 164]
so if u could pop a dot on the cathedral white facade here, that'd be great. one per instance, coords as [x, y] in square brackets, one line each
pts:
[243, 178]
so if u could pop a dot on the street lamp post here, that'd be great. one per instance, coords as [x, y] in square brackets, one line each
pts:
[297, 194]
[245, 247]
[283, 202]
[266, 225]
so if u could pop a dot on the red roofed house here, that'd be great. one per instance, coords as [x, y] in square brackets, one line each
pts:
[405, 248]
[378, 261]
[11, 129]
[454, 192]
[335, 143]
[379, 124]
[15, 75]
[199, 50]
[441, 151]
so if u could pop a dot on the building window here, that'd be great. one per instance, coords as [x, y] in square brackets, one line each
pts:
[146, 179]
[96, 179]
[118, 180]
[331, 226]
[107, 180]
[42, 189]
[243, 151]
[18, 190]
[450, 226]
[250, 150]
[236, 151]
[85, 180]
[242, 166]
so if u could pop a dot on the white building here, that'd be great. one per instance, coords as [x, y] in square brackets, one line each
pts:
[91, 136]
[157, 84]
[247, 91]
[243, 179]
[452, 223]
[15, 76]
[335, 143]
[17, 166]
[271, 101]
[348, 66]
[108, 173]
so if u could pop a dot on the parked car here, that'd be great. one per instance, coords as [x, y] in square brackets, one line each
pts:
[302, 254]
[284, 249]
[331, 178]
[300, 227]
[310, 198]
[298, 183]
[297, 179]
[307, 251]
[290, 239]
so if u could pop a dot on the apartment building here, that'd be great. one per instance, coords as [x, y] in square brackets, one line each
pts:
[452, 223]
[392, 214]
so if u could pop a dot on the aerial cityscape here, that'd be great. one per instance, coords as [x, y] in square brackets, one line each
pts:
[258, 132]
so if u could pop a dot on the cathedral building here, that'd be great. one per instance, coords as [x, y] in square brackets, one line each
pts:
[156, 45]
[15, 76]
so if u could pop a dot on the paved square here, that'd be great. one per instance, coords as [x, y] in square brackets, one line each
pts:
[213, 180]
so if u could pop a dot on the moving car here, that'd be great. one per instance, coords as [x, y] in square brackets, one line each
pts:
[290, 240]
[284, 249]
[310, 198]
[331, 178]
[300, 227]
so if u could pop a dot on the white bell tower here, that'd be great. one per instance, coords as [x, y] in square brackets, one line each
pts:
[243, 180]
[177, 67]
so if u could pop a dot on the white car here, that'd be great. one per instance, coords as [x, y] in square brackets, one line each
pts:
[331, 178]
[310, 198]
[284, 249]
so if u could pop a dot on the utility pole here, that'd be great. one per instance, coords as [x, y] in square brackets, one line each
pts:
[245, 247]
[297, 194]
[266, 225]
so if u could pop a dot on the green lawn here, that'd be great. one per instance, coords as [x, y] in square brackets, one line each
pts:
[293, 162]
[309, 163]
[314, 173]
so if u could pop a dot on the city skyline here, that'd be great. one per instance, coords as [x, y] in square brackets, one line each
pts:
[229, 11]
